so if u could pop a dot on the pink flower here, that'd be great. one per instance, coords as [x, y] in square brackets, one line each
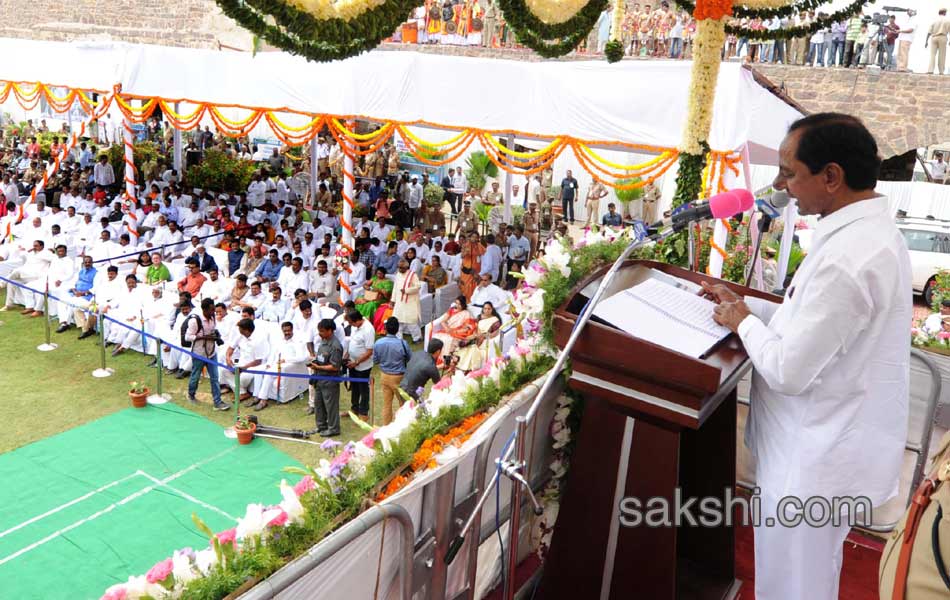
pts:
[227, 537]
[116, 593]
[499, 360]
[522, 350]
[160, 571]
[304, 485]
[944, 335]
[278, 521]
[914, 331]
[369, 440]
[443, 383]
[479, 373]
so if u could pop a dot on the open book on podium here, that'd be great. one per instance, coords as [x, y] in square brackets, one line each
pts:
[665, 311]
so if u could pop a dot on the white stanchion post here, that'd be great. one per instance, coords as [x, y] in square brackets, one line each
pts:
[102, 371]
[48, 345]
[347, 217]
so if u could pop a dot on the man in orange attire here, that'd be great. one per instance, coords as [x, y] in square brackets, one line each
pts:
[193, 281]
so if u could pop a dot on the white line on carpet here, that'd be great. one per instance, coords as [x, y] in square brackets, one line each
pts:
[111, 507]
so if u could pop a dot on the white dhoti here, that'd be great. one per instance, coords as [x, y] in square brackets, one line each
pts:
[265, 386]
[797, 562]
[227, 378]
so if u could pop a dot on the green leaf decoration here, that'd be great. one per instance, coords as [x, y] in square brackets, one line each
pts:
[551, 40]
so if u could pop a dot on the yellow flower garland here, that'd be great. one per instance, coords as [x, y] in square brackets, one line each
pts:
[555, 11]
[616, 26]
[710, 37]
[336, 9]
[759, 4]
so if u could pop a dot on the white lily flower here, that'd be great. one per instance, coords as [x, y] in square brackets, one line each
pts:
[182, 568]
[255, 521]
[205, 559]
[291, 504]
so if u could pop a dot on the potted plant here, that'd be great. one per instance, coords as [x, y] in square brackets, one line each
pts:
[244, 430]
[625, 197]
[138, 392]
[480, 168]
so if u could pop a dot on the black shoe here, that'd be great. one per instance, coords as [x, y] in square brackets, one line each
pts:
[181, 374]
[152, 364]
[222, 406]
[62, 328]
[192, 399]
[86, 334]
[329, 434]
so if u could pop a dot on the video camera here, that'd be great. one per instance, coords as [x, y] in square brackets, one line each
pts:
[881, 19]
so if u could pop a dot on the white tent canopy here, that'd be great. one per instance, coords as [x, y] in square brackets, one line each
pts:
[639, 102]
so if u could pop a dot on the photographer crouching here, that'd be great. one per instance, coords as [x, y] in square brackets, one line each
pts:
[203, 337]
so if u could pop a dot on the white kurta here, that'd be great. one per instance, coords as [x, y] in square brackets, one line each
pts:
[406, 303]
[829, 391]
[294, 356]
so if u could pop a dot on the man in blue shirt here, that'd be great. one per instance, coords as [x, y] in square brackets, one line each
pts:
[392, 355]
[85, 156]
[612, 218]
[568, 194]
[275, 309]
[269, 270]
[80, 292]
[389, 260]
[519, 248]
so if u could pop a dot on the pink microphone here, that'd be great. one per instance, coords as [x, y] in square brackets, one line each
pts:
[720, 206]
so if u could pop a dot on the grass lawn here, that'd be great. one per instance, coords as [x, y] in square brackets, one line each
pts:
[45, 393]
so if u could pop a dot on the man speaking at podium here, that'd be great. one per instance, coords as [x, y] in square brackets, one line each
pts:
[828, 414]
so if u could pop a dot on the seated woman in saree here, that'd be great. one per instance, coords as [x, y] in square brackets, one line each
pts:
[473, 353]
[455, 326]
[378, 291]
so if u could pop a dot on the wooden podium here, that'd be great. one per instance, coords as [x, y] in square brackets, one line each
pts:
[655, 421]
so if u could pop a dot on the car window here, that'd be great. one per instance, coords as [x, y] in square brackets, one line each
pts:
[925, 241]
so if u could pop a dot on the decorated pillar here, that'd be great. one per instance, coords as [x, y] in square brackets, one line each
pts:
[129, 158]
[346, 219]
[509, 181]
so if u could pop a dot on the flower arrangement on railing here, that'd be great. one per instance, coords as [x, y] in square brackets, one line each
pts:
[564, 425]
[335, 490]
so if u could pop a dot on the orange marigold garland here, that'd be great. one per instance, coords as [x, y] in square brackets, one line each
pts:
[712, 9]
[424, 458]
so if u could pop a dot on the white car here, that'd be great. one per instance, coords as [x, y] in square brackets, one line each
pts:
[928, 241]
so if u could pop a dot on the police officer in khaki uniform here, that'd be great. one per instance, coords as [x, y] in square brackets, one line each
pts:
[531, 222]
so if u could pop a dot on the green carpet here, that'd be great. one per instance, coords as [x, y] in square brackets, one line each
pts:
[89, 507]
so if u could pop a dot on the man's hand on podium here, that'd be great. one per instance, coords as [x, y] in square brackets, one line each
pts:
[731, 309]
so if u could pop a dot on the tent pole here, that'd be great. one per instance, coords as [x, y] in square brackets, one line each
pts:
[789, 216]
[176, 142]
[314, 174]
[753, 219]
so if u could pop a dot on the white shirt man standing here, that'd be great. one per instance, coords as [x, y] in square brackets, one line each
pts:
[829, 399]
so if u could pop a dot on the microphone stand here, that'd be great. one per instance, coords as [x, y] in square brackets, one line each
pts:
[513, 469]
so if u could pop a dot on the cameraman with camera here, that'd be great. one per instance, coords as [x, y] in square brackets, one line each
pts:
[202, 336]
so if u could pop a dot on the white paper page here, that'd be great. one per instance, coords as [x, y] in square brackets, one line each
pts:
[664, 315]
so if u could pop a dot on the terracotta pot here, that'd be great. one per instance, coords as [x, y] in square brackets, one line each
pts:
[139, 400]
[245, 436]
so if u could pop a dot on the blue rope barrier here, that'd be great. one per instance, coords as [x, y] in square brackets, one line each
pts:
[205, 359]
[155, 248]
